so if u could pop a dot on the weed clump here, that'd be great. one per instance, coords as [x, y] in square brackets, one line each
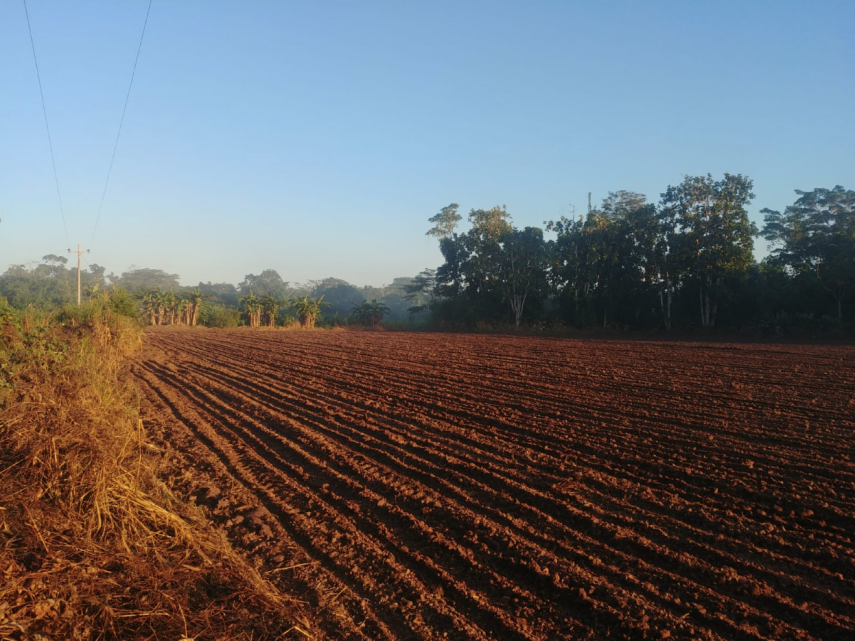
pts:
[92, 544]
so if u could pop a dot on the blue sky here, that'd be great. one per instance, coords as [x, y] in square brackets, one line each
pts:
[317, 138]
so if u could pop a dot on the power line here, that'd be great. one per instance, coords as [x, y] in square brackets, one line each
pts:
[121, 122]
[44, 111]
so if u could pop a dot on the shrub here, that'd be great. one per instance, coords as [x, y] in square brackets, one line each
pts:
[219, 316]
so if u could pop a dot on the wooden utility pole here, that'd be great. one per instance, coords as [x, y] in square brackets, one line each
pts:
[78, 252]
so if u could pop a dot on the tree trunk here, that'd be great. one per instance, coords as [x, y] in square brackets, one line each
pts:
[708, 309]
[517, 305]
[517, 309]
[666, 308]
[670, 293]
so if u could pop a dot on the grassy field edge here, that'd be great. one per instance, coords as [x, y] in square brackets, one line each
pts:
[94, 545]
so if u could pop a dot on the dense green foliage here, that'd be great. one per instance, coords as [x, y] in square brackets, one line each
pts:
[48, 284]
[369, 314]
[687, 262]
[814, 241]
[158, 298]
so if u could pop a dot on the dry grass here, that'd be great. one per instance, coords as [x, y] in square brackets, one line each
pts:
[92, 544]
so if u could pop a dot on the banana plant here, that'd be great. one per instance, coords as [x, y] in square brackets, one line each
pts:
[196, 299]
[170, 301]
[252, 308]
[149, 305]
[181, 309]
[308, 310]
[160, 302]
[369, 314]
[269, 306]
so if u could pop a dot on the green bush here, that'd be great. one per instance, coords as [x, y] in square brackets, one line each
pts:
[219, 316]
[116, 302]
[336, 320]
[122, 303]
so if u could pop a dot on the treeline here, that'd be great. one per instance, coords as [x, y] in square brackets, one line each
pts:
[267, 297]
[263, 299]
[686, 262]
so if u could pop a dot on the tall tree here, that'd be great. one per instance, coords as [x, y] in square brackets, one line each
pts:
[569, 271]
[45, 285]
[620, 203]
[226, 293]
[135, 280]
[488, 225]
[445, 222]
[268, 282]
[482, 268]
[815, 240]
[449, 275]
[605, 267]
[339, 295]
[421, 291]
[525, 264]
[710, 234]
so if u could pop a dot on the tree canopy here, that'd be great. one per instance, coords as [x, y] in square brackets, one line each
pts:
[687, 260]
[814, 241]
[268, 282]
[445, 222]
[140, 279]
[684, 262]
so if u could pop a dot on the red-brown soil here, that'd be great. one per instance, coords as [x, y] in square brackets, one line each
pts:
[429, 486]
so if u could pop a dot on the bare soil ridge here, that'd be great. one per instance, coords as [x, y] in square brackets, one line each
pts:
[412, 486]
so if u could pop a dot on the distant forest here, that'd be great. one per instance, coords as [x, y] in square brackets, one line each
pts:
[54, 283]
[684, 263]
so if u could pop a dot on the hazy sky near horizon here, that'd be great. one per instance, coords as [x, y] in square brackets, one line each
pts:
[317, 138]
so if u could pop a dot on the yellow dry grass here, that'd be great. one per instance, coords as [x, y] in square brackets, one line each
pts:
[92, 544]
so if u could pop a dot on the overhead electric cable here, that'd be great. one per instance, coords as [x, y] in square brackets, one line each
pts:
[121, 122]
[44, 111]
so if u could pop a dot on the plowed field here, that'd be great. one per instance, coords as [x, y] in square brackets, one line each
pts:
[427, 486]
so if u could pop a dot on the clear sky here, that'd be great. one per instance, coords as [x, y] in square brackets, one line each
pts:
[317, 138]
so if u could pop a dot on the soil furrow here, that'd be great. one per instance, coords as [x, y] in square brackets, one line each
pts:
[522, 488]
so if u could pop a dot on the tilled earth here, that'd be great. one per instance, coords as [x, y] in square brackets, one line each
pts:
[430, 486]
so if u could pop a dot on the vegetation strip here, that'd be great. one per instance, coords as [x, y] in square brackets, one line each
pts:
[94, 544]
